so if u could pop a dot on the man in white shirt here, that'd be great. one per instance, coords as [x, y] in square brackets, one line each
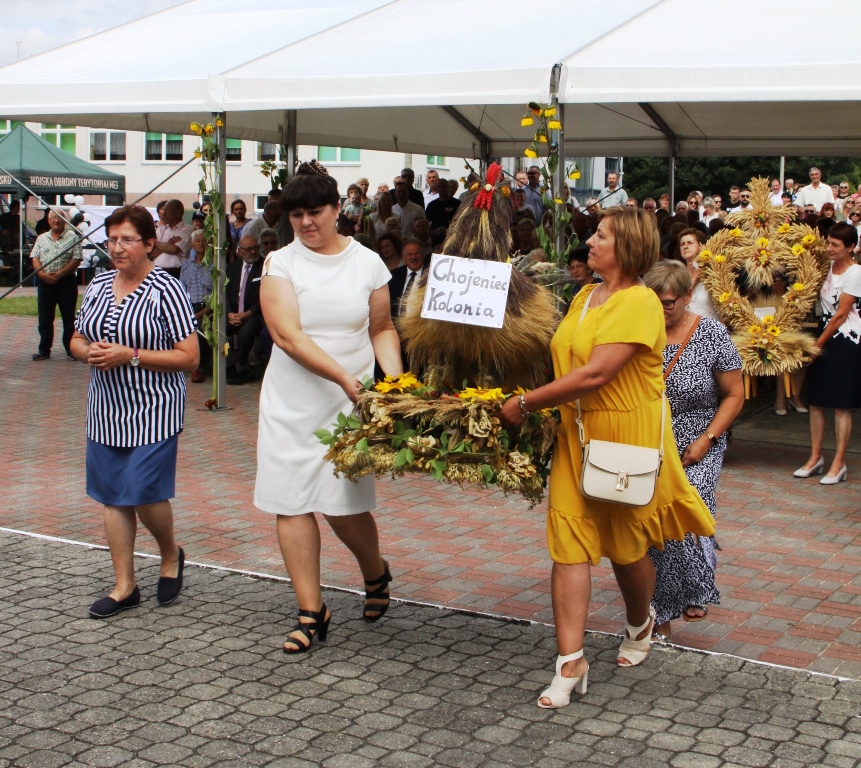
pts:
[612, 194]
[431, 193]
[816, 193]
[406, 210]
[173, 239]
[776, 192]
[743, 201]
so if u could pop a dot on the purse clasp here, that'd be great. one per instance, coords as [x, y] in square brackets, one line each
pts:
[621, 481]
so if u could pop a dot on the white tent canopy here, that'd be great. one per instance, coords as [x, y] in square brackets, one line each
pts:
[639, 76]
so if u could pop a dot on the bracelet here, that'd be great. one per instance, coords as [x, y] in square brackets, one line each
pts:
[521, 399]
[712, 439]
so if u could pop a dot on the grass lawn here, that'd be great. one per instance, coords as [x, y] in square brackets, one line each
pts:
[25, 305]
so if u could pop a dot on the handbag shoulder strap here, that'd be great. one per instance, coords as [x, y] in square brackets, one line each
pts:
[579, 420]
[678, 354]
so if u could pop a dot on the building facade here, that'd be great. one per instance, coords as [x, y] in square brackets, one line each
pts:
[147, 159]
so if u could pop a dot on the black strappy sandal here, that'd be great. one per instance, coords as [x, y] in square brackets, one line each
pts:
[377, 590]
[309, 630]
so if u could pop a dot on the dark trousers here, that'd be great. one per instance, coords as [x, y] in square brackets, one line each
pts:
[62, 294]
[243, 341]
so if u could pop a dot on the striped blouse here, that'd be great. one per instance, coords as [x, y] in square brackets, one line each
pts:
[126, 406]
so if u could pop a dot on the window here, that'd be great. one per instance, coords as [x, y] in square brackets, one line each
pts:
[266, 151]
[340, 155]
[62, 136]
[259, 202]
[6, 126]
[163, 146]
[437, 161]
[233, 150]
[108, 146]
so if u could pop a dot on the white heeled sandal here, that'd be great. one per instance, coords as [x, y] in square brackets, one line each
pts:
[560, 689]
[841, 475]
[635, 651]
[816, 469]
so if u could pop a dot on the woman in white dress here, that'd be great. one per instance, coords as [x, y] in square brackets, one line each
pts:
[325, 299]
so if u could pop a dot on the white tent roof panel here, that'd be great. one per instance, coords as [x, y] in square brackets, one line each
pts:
[750, 80]
[490, 56]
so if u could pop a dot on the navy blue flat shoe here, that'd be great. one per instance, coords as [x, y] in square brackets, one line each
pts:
[107, 606]
[168, 589]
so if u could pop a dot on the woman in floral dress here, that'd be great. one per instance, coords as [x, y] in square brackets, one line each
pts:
[705, 390]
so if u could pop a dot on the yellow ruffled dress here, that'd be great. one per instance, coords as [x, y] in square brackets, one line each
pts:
[626, 410]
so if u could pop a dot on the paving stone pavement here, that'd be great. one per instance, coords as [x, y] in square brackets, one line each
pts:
[789, 572]
[203, 683]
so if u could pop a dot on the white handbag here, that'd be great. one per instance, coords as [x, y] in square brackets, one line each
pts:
[618, 472]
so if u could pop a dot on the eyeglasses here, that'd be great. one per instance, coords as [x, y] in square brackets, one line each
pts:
[251, 248]
[269, 242]
[669, 303]
[745, 197]
[125, 242]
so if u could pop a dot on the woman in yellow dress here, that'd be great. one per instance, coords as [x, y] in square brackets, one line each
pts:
[612, 361]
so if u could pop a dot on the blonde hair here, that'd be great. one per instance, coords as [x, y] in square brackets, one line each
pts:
[669, 276]
[637, 240]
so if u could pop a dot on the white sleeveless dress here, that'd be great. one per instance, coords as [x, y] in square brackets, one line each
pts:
[333, 294]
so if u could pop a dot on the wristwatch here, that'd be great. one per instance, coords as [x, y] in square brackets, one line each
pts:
[712, 439]
[135, 361]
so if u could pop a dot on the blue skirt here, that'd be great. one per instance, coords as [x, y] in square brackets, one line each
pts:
[128, 477]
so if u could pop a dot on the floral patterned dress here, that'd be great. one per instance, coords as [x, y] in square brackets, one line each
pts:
[686, 569]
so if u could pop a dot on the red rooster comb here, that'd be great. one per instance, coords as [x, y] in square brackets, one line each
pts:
[485, 196]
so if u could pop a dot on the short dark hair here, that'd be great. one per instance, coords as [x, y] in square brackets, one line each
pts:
[845, 233]
[160, 204]
[580, 254]
[309, 190]
[136, 215]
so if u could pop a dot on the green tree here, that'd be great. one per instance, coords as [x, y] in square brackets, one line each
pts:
[649, 176]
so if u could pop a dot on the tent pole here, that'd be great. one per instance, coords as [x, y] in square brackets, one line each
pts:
[22, 215]
[559, 176]
[220, 361]
[292, 148]
[672, 177]
[782, 170]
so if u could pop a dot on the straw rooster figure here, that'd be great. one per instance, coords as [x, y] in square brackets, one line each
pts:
[450, 353]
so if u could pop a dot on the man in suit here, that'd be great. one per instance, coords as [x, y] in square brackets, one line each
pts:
[404, 280]
[244, 317]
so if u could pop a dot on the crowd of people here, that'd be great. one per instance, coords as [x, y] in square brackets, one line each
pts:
[321, 281]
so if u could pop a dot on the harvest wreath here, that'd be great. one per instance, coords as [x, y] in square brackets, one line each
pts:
[739, 267]
[401, 425]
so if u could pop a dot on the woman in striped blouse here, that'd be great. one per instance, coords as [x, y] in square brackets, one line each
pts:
[136, 332]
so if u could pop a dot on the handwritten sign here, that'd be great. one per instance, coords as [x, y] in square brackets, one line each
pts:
[470, 291]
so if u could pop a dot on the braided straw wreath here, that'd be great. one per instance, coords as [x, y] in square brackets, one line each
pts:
[739, 266]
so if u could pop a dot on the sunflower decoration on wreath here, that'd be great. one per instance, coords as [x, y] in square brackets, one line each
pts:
[739, 267]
